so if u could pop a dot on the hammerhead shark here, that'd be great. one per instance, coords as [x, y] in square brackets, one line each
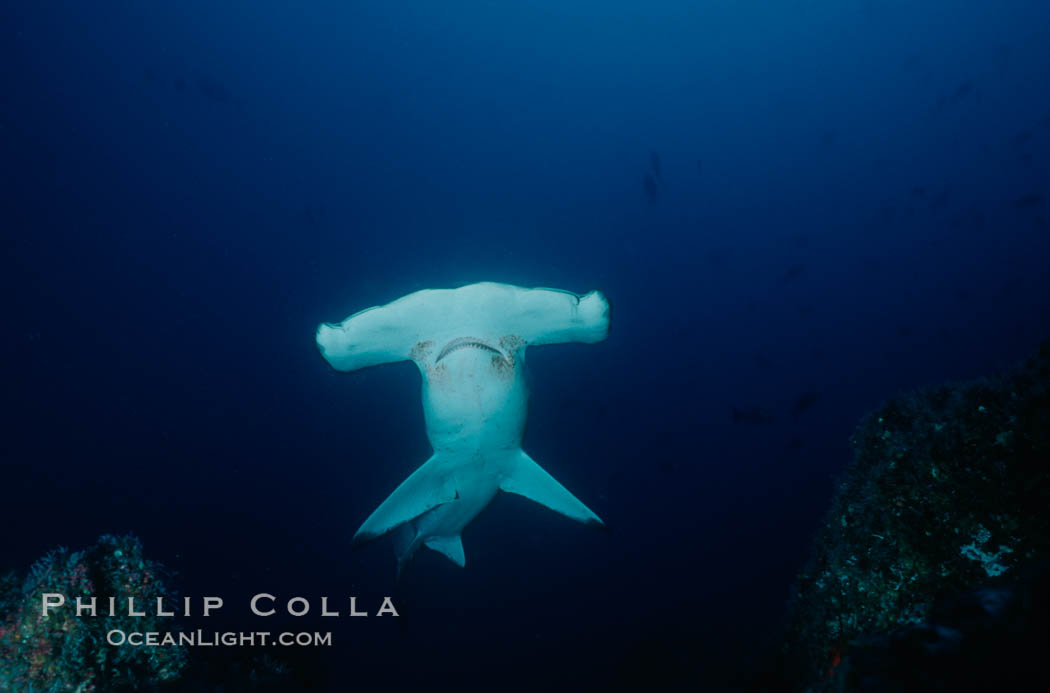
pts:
[469, 344]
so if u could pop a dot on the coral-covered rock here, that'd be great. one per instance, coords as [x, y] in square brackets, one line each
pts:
[947, 492]
[61, 651]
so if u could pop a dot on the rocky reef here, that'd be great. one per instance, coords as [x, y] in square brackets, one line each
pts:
[945, 502]
[61, 651]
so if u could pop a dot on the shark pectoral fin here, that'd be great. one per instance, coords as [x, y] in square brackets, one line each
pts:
[526, 478]
[452, 547]
[426, 488]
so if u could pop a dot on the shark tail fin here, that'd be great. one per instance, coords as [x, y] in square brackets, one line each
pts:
[426, 488]
[526, 478]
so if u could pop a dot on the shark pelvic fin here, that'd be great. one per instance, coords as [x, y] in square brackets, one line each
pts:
[407, 541]
[404, 537]
[426, 488]
[452, 547]
[526, 478]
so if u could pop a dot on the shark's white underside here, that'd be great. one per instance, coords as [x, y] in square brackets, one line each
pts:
[469, 343]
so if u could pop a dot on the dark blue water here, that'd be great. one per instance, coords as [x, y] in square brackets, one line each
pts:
[852, 200]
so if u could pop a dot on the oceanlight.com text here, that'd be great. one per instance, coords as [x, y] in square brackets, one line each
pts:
[200, 638]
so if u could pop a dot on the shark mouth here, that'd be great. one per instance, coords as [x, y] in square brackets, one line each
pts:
[470, 343]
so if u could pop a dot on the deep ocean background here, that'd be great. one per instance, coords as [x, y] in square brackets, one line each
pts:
[853, 202]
